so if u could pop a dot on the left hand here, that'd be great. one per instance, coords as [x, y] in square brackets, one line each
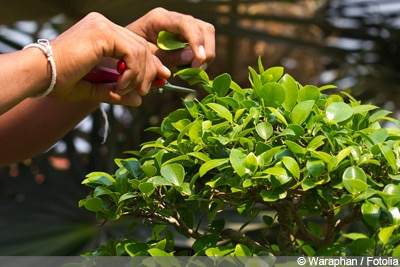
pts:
[199, 34]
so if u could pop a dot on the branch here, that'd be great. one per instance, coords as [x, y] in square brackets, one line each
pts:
[238, 237]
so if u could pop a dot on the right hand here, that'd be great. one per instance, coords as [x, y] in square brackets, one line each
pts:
[86, 44]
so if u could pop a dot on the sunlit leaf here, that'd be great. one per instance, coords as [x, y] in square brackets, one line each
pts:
[211, 164]
[386, 233]
[264, 130]
[291, 91]
[221, 84]
[354, 180]
[170, 41]
[301, 111]
[292, 166]
[174, 173]
[221, 111]
[338, 112]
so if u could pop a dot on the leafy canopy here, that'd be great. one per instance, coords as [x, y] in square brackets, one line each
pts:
[278, 152]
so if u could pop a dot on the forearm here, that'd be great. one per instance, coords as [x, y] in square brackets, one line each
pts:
[23, 74]
[35, 124]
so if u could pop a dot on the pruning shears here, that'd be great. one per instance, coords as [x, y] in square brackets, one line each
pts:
[102, 74]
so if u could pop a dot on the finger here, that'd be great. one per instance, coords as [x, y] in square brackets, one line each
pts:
[105, 93]
[161, 71]
[199, 34]
[173, 58]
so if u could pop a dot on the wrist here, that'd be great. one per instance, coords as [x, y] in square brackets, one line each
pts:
[45, 47]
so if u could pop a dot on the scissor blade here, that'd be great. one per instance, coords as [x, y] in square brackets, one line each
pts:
[176, 88]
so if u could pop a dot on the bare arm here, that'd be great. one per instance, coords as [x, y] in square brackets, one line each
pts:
[36, 124]
[28, 126]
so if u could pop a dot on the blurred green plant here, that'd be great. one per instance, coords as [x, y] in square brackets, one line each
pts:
[309, 164]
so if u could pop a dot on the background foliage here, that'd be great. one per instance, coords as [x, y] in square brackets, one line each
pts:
[354, 44]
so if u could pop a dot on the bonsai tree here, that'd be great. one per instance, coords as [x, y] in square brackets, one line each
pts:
[319, 172]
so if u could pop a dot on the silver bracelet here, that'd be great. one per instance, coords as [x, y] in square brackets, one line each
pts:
[45, 46]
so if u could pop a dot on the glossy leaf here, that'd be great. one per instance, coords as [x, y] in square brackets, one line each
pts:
[280, 174]
[237, 158]
[221, 111]
[291, 91]
[292, 166]
[338, 112]
[386, 233]
[99, 178]
[221, 84]
[94, 204]
[308, 92]
[301, 111]
[251, 163]
[264, 130]
[371, 214]
[354, 180]
[273, 94]
[170, 41]
[174, 173]
[211, 164]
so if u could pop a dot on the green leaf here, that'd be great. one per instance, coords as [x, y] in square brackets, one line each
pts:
[126, 196]
[211, 164]
[251, 163]
[295, 148]
[255, 79]
[279, 173]
[99, 178]
[273, 94]
[174, 173]
[292, 166]
[221, 84]
[354, 180]
[363, 108]
[301, 111]
[94, 204]
[390, 195]
[338, 112]
[156, 252]
[264, 130]
[170, 41]
[237, 158]
[291, 91]
[272, 74]
[133, 166]
[278, 115]
[221, 111]
[389, 156]
[242, 251]
[272, 195]
[194, 76]
[395, 215]
[315, 167]
[385, 234]
[371, 214]
[308, 92]
[146, 188]
[204, 242]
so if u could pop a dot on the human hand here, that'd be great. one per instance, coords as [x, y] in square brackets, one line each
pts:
[199, 34]
[87, 44]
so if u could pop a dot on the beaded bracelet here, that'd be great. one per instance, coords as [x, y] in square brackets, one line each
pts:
[45, 46]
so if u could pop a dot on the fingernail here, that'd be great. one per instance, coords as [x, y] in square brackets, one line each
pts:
[167, 71]
[202, 52]
[187, 56]
[203, 66]
[126, 85]
[124, 92]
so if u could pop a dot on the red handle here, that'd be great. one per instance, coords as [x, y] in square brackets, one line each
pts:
[101, 74]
